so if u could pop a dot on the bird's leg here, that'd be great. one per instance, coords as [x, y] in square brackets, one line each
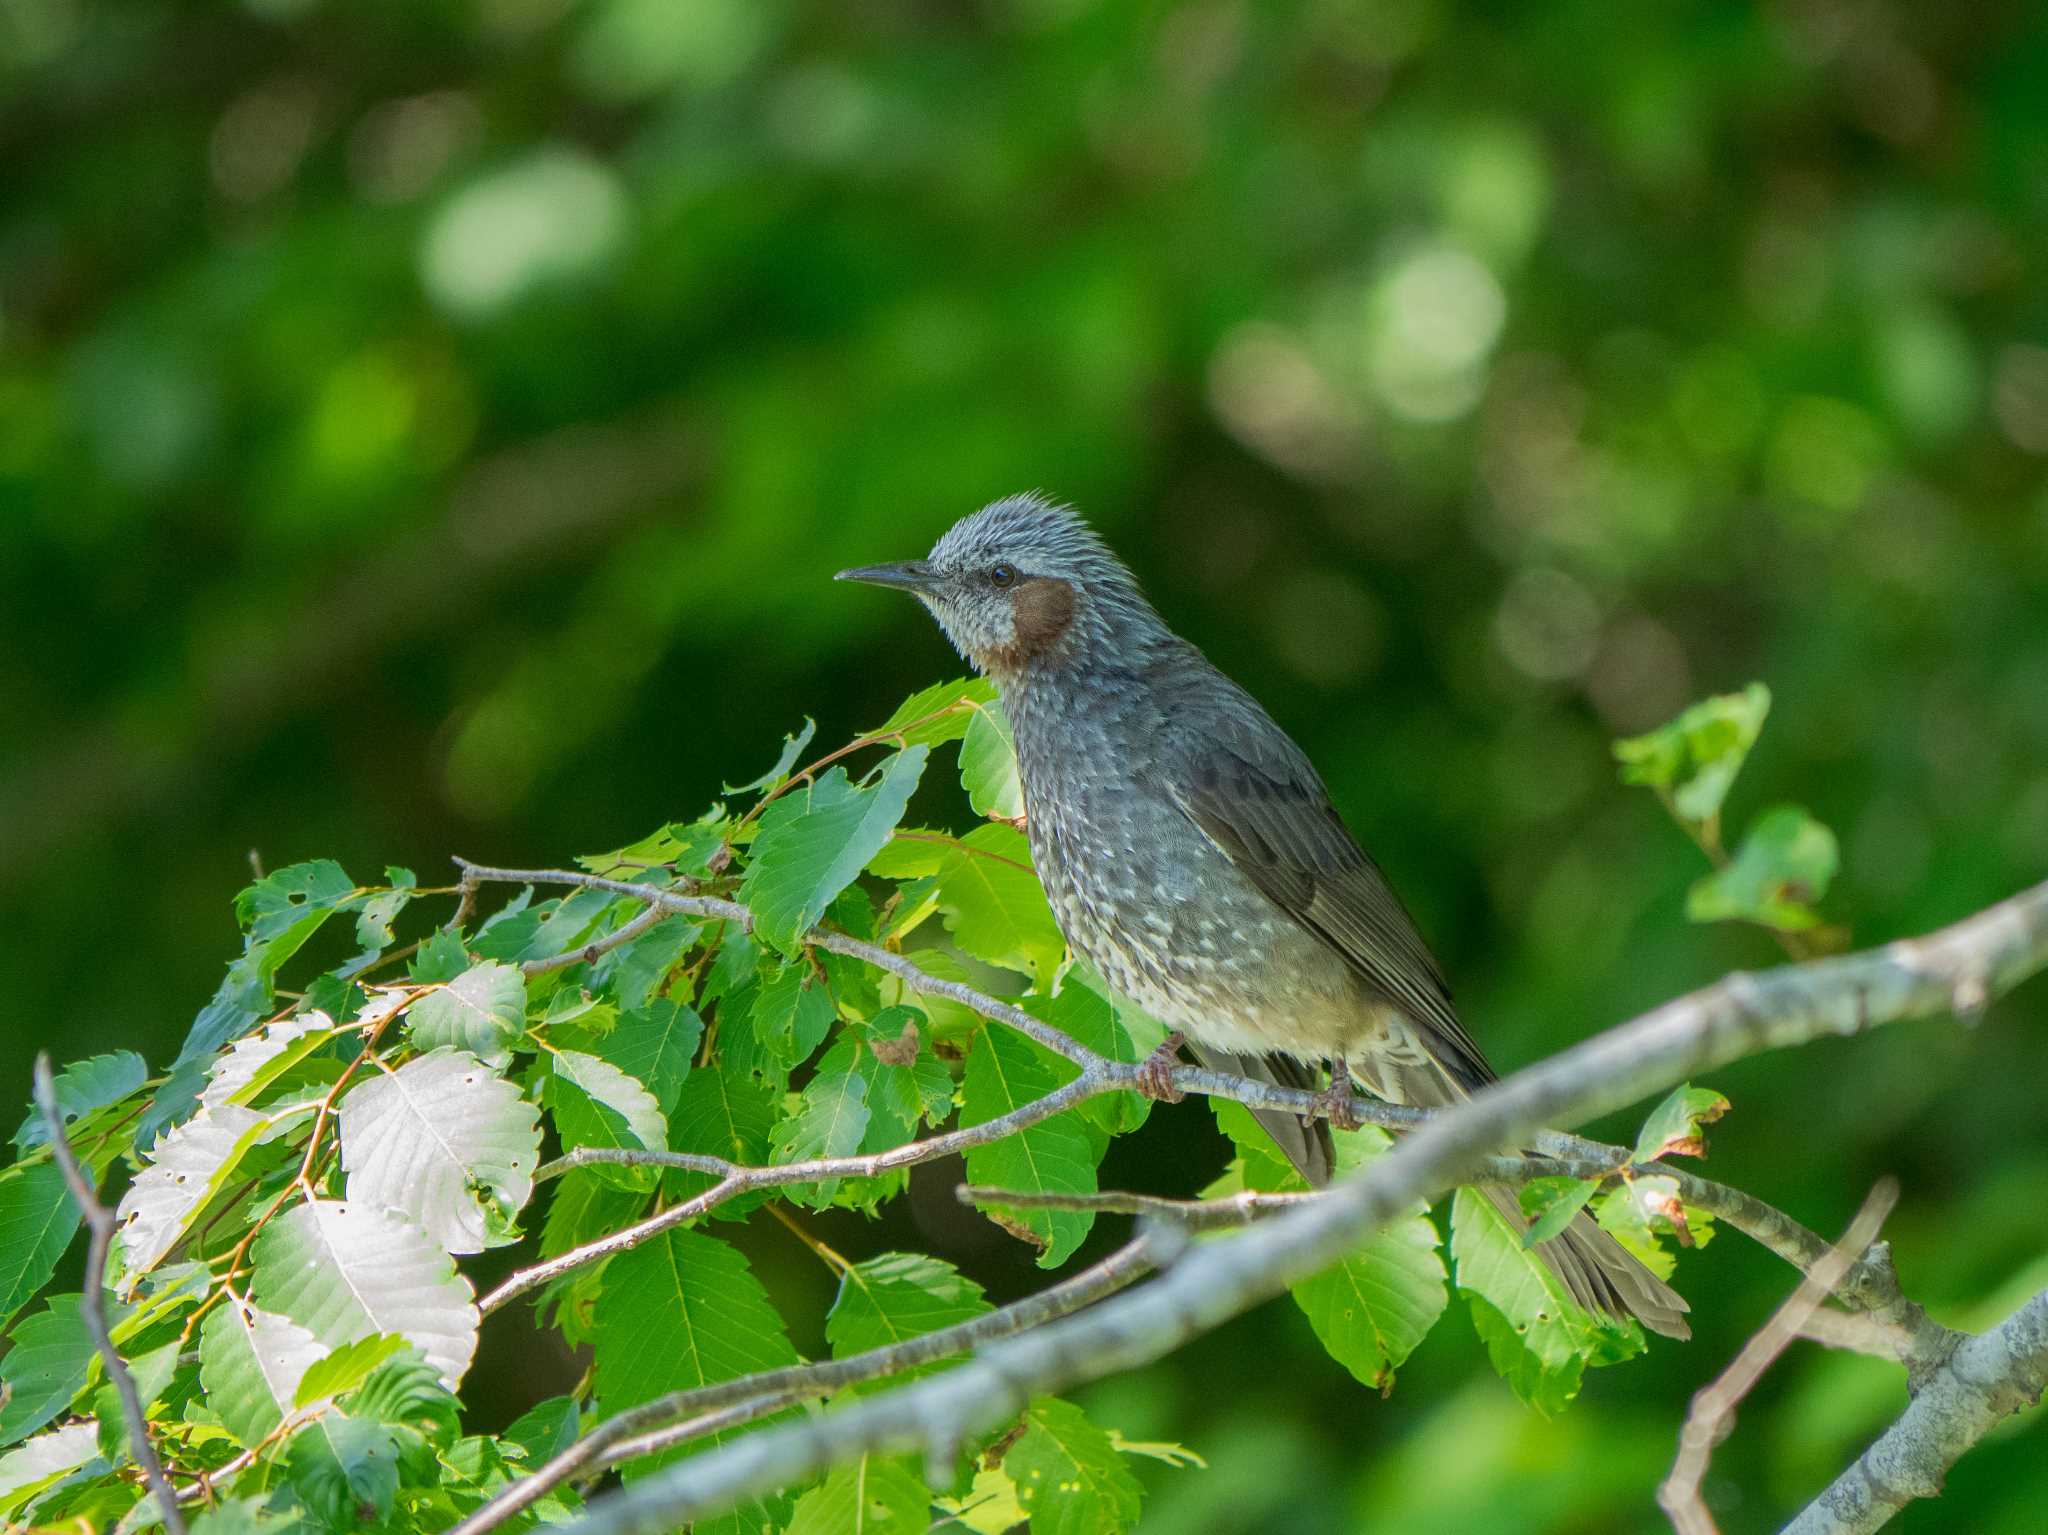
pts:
[1335, 1100]
[1155, 1072]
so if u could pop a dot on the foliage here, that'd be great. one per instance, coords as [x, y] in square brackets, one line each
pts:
[288, 1241]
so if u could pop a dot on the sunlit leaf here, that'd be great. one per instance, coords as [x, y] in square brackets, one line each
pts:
[988, 764]
[1784, 865]
[1696, 756]
[896, 1297]
[252, 1362]
[792, 746]
[187, 1168]
[939, 713]
[596, 1104]
[1677, 1126]
[481, 1011]
[1069, 1475]
[995, 907]
[872, 1495]
[256, 1060]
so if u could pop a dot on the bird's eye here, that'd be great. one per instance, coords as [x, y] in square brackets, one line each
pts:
[1002, 574]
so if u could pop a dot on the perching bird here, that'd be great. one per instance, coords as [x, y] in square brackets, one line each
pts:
[1191, 854]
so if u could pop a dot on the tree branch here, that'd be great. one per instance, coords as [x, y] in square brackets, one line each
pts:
[92, 1305]
[1712, 1414]
[1981, 957]
[1989, 1376]
[645, 1430]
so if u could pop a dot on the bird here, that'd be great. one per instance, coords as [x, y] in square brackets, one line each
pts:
[1191, 853]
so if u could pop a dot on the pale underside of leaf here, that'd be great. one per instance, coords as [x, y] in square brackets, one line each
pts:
[190, 1164]
[251, 1362]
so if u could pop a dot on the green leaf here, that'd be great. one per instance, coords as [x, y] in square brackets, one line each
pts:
[38, 1218]
[596, 1104]
[830, 1121]
[721, 1116]
[635, 973]
[814, 841]
[1372, 1308]
[241, 1516]
[792, 1013]
[995, 907]
[784, 761]
[45, 1367]
[480, 1011]
[346, 1368]
[256, 1060]
[345, 1470]
[873, 1495]
[1677, 1125]
[988, 764]
[151, 1373]
[1695, 757]
[379, 911]
[547, 1429]
[1535, 1312]
[188, 1167]
[1550, 1204]
[685, 846]
[441, 958]
[897, 1296]
[680, 1311]
[1785, 863]
[1056, 1155]
[281, 902]
[1090, 1019]
[35, 1466]
[82, 1087]
[445, 1141]
[406, 1391]
[251, 1364]
[1644, 1209]
[939, 713]
[345, 1271]
[1069, 1475]
[656, 1043]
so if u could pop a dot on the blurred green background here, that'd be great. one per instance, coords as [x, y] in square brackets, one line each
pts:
[431, 427]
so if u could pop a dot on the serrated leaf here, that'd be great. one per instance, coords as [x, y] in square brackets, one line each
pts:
[281, 901]
[346, 1470]
[45, 1366]
[547, 1429]
[685, 846]
[436, 1137]
[937, 714]
[594, 1103]
[792, 1013]
[680, 1311]
[346, 1367]
[1005, 1072]
[406, 1391]
[189, 1166]
[1547, 1387]
[1069, 1475]
[380, 910]
[784, 761]
[251, 1362]
[721, 1116]
[481, 1011]
[874, 1495]
[26, 1471]
[995, 907]
[988, 764]
[38, 1218]
[1550, 1204]
[345, 1271]
[1696, 756]
[1092, 1020]
[83, 1086]
[830, 1120]
[897, 1296]
[151, 1373]
[814, 841]
[256, 1060]
[441, 958]
[241, 1516]
[635, 973]
[1677, 1125]
[1785, 863]
[656, 1043]
[1559, 1335]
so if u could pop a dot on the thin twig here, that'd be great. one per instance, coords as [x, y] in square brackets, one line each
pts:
[1712, 1414]
[644, 1429]
[1193, 1214]
[92, 1305]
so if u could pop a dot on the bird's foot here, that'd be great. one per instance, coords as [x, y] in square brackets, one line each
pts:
[1155, 1072]
[1335, 1102]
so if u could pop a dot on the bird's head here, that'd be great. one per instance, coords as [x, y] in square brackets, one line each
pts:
[1020, 585]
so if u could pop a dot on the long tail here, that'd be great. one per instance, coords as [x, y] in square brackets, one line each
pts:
[1307, 1145]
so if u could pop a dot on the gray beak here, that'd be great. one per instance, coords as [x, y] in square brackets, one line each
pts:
[905, 575]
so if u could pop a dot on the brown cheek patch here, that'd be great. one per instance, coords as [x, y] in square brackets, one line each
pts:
[1042, 608]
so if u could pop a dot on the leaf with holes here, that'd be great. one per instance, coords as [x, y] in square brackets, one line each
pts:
[280, 902]
[1069, 1474]
[188, 1167]
[874, 1495]
[82, 1087]
[1677, 1126]
[596, 1104]
[251, 1363]
[445, 1141]
[256, 1060]
[345, 1271]
[1055, 1156]
[814, 841]
[482, 1010]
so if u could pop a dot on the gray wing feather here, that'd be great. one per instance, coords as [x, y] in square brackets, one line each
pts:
[1254, 794]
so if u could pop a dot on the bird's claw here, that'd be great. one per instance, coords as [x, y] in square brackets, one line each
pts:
[1335, 1103]
[1155, 1072]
